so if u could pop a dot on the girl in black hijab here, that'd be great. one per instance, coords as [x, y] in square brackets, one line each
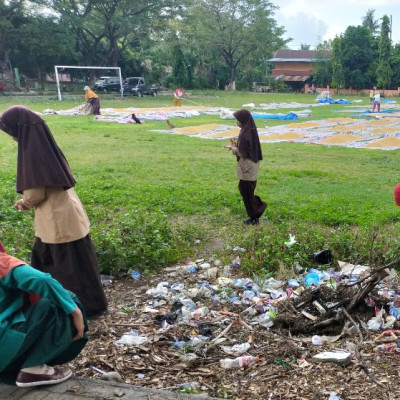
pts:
[63, 246]
[247, 150]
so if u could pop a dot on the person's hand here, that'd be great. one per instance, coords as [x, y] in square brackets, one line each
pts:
[77, 321]
[232, 143]
[20, 205]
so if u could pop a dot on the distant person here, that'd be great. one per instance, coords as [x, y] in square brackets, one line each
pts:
[41, 325]
[371, 95]
[93, 99]
[377, 102]
[63, 246]
[247, 150]
[178, 95]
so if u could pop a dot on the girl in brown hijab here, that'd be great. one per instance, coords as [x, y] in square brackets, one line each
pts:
[247, 150]
[63, 246]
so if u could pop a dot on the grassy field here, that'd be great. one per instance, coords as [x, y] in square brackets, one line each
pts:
[156, 199]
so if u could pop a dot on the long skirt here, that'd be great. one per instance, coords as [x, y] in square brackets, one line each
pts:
[255, 207]
[95, 102]
[74, 265]
[177, 102]
[49, 332]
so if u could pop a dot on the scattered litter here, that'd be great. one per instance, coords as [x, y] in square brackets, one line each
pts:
[136, 275]
[337, 357]
[291, 242]
[239, 362]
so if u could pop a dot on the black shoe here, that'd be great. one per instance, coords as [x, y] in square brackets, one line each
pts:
[252, 221]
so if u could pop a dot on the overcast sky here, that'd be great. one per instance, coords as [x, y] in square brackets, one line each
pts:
[313, 21]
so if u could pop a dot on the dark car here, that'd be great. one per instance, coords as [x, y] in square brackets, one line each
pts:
[137, 86]
[107, 84]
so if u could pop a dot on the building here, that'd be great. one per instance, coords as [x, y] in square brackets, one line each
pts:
[296, 67]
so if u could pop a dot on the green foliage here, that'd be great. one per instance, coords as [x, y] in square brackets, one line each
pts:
[370, 22]
[266, 251]
[179, 67]
[233, 30]
[155, 199]
[336, 62]
[323, 73]
[359, 51]
[138, 239]
[384, 71]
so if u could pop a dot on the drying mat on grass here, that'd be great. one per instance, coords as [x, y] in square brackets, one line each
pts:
[348, 132]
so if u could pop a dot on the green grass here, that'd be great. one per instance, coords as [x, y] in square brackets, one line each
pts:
[155, 198]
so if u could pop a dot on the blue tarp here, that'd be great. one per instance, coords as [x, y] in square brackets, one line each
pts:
[367, 112]
[331, 101]
[291, 116]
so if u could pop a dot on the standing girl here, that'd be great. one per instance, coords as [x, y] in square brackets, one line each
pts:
[247, 150]
[63, 246]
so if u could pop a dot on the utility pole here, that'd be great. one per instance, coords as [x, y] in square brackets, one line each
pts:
[391, 27]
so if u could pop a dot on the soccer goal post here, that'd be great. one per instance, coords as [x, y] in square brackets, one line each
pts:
[57, 67]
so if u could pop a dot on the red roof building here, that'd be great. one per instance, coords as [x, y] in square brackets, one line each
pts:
[296, 67]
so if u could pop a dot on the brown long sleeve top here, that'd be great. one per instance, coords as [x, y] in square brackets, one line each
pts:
[247, 170]
[59, 214]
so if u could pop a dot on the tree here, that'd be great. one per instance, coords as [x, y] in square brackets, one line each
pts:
[102, 29]
[384, 71]
[336, 63]
[11, 18]
[395, 62]
[44, 43]
[370, 23]
[359, 57]
[323, 70]
[236, 30]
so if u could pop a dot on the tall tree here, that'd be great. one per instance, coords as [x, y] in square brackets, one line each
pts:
[11, 19]
[359, 57]
[103, 28]
[323, 70]
[336, 63]
[44, 43]
[395, 62]
[384, 71]
[369, 22]
[237, 30]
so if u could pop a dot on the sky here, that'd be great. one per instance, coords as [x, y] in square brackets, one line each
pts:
[313, 21]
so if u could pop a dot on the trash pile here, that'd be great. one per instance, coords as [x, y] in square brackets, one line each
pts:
[202, 327]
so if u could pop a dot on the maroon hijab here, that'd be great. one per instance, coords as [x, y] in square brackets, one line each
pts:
[40, 161]
[248, 141]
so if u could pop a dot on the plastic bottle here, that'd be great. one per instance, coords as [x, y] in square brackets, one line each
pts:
[200, 312]
[386, 347]
[136, 275]
[239, 362]
[258, 301]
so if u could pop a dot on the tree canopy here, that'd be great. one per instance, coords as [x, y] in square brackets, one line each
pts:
[194, 43]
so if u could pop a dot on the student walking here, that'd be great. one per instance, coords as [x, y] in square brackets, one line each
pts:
[63, 246]
[247, 150]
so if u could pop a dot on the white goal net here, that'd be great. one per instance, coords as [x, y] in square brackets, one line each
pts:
[59, 68]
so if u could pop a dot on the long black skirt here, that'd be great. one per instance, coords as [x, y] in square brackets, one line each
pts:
[255, 207]
[74, 265]
[95, 102]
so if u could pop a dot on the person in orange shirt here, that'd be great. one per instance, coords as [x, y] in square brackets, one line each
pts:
[93, 99]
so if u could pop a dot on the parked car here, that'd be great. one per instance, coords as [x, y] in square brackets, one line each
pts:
[107, 84]
[137, 86]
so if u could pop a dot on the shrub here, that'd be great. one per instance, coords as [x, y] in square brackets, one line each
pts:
[138, 239]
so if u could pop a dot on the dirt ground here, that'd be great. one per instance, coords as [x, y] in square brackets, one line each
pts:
[285, 369]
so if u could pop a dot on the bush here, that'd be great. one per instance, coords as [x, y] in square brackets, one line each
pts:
[139, 239]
